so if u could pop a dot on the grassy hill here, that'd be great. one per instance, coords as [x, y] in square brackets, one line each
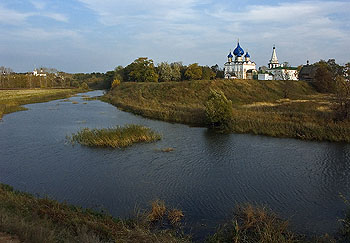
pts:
[275, 108]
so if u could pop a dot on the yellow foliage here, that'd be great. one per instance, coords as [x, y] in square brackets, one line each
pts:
[115, 83]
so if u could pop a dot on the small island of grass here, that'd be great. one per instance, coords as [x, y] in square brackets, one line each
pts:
[117, 137]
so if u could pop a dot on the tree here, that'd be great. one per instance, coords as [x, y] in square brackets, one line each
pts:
[141, 70]
[208, 73]
[218, 110]
[324, 78]
[84, 86]
[219, 73]
[176, 71]
[193, 72]
[347, 72]
[342, 101]
[165, 72]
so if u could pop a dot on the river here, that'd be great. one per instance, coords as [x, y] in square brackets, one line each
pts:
[206, 175]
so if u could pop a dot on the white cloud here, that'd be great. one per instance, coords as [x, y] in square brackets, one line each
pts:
[55, 16]
[11, 17]
[38, 4]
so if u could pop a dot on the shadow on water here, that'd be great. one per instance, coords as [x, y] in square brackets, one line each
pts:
[205, 175]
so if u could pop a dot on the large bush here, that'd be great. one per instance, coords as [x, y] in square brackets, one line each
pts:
[219, 110]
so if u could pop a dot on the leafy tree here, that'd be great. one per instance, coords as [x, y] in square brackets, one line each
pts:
[176, 71]
[342, 100]
[219, 73]
[165, 72]
[115, 83]
[84, 86]
[347, 72]
[193, 72]
[324, 78]
[141, 70]
[219, 110]
[208, 73]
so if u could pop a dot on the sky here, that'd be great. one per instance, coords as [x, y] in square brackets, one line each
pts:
[98, 35]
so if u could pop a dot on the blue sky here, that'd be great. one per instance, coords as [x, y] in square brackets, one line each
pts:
[98, 35]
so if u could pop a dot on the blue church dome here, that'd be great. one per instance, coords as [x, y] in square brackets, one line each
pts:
[230, 55]
[238, 50]
[247, 55]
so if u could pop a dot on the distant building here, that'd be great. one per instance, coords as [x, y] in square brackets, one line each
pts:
[265, 76]
[307, 72]
[277, 71]
[40, 74]
[237, 67]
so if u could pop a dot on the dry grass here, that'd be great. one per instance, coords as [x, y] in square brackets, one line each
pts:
[259, 107]
[158, 211]
[255, 224]
[118, 137]
[33, 219]
[175, 216]
[11, 100]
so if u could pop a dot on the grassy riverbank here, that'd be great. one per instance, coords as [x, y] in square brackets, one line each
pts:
[274, 108]
[31, 219]
[118, 137]
[11, 100]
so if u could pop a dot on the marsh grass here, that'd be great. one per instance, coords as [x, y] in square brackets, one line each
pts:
[255, 224]
[11, 100]
[34, 219]
[161, 215]
[259, 107]
[118, 137]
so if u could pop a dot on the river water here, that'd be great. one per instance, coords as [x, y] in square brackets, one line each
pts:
[206, 175]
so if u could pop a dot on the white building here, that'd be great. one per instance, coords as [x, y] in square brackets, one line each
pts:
[277, 71]
[265, 76]
[40, 74]
[238, 67]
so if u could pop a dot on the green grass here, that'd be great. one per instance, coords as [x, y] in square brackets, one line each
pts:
[35, 219]
[274, 108]
[11, 100]
[117, 137]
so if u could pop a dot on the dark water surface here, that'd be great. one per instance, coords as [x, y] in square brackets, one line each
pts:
[205, 176]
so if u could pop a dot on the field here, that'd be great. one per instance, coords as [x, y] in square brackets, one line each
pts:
[274, 108]
[11, 100]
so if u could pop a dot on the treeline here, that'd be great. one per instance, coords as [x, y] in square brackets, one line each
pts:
[328, 74]
[332, 78]
[144, 70]
[141, 70]
[51, 78]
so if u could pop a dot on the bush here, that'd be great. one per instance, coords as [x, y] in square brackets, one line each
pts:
[84, 86]
[115, 83]
[218, 110]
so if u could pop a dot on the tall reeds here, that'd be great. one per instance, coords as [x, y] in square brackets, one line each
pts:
[117, 137]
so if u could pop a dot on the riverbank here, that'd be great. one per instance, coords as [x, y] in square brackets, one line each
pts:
[11, 100]
[273, 108]
[31, 219]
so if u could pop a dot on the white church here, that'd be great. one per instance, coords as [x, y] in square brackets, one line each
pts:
[277, 71]
[239, 65]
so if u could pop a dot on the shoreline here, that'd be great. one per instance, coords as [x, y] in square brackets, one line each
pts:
[11, 100]
[304, 114]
